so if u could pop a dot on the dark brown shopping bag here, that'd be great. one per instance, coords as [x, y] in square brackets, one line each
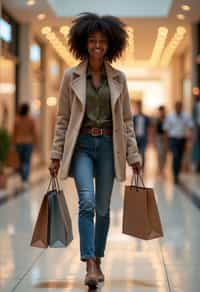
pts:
[40, 233]
[60, 226]
[140, 215]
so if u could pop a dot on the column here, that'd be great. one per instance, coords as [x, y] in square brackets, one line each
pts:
[195, 53]
[24, 63]
[45, 122]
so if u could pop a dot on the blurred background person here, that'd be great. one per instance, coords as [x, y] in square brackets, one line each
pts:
[24, 138]
[160, 139]
[178, 126]
[141, 127]
[196, 145]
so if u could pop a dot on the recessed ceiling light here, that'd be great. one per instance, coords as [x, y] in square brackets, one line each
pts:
[51, 101]
[185, 7]
[181, 29]
[46, 29]
[163, 30]
[30, 2]
[180, 16]
[64, 29]
[41, 16]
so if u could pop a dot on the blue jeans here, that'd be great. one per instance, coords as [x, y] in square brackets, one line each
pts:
[24, 152]
[177, 147]
[93, 158]
[142, 145]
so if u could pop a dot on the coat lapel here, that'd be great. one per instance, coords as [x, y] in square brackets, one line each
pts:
[79, 82]
[115, 83]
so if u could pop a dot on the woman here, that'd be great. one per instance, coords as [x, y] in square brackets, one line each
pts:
[24, 137]
[94, 130]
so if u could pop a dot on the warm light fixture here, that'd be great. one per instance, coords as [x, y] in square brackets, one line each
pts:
[64, 30]
[46, 30]
[51, 101]
[159, 45]
[41, 16]
[51, 36]
[180, 30]
[185, 7]
[30, 2]
[58, 46]
[173, 44]
[180, 16]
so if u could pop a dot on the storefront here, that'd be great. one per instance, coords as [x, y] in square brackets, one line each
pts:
[8, 64]
[45, 82]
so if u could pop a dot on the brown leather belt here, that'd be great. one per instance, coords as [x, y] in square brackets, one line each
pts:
[96, 131]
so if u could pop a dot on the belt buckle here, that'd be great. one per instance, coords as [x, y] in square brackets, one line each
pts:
[95, 132]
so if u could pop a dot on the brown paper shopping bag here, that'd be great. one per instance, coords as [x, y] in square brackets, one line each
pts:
[40, 233]
[140, 214]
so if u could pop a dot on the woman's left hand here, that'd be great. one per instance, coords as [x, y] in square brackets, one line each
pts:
[136, 167]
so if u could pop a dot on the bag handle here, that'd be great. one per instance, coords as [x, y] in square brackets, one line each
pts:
[54, 183]
[137, 177]
[57, 184]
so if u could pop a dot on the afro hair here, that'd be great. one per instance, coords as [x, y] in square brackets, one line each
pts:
[88, 23]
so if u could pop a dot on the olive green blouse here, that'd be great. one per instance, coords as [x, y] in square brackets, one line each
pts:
[98, 112]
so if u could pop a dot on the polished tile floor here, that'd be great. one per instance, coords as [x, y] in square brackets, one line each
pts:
[170, 264]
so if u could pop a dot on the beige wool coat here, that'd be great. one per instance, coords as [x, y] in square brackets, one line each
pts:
[70, 114]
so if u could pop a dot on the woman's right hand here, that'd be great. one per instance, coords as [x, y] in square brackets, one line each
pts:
[54, 167]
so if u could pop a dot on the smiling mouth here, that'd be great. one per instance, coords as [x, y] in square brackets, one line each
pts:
[98, 51]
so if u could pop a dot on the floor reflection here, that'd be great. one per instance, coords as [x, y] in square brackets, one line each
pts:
[114, 283]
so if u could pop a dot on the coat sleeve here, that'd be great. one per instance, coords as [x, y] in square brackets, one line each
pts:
[62, 118]
[132, 154]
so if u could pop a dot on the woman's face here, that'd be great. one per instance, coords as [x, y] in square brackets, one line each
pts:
[97, 45]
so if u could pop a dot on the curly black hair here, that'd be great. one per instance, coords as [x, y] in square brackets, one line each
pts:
[88, 23]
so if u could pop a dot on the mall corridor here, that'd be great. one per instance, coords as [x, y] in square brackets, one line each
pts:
[79, 77]
[171, 264]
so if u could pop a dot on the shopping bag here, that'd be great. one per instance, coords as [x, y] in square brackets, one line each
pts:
[60, 226]
[13, 158]
[140, 213]
[40, 233]
[53, 227]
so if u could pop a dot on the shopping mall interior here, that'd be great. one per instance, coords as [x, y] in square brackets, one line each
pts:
[162, 65]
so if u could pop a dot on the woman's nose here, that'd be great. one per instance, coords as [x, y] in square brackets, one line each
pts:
[97, 44]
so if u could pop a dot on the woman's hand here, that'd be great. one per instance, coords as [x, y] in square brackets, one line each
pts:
[54, 167]
[136, 167]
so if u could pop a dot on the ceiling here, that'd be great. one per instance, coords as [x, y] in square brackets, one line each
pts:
[145, 17]
[133, 8]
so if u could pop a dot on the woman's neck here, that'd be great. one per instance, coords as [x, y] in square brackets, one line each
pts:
[96, 65]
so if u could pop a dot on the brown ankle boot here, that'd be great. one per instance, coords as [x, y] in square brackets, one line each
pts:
[100, 275]
[91, 279]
